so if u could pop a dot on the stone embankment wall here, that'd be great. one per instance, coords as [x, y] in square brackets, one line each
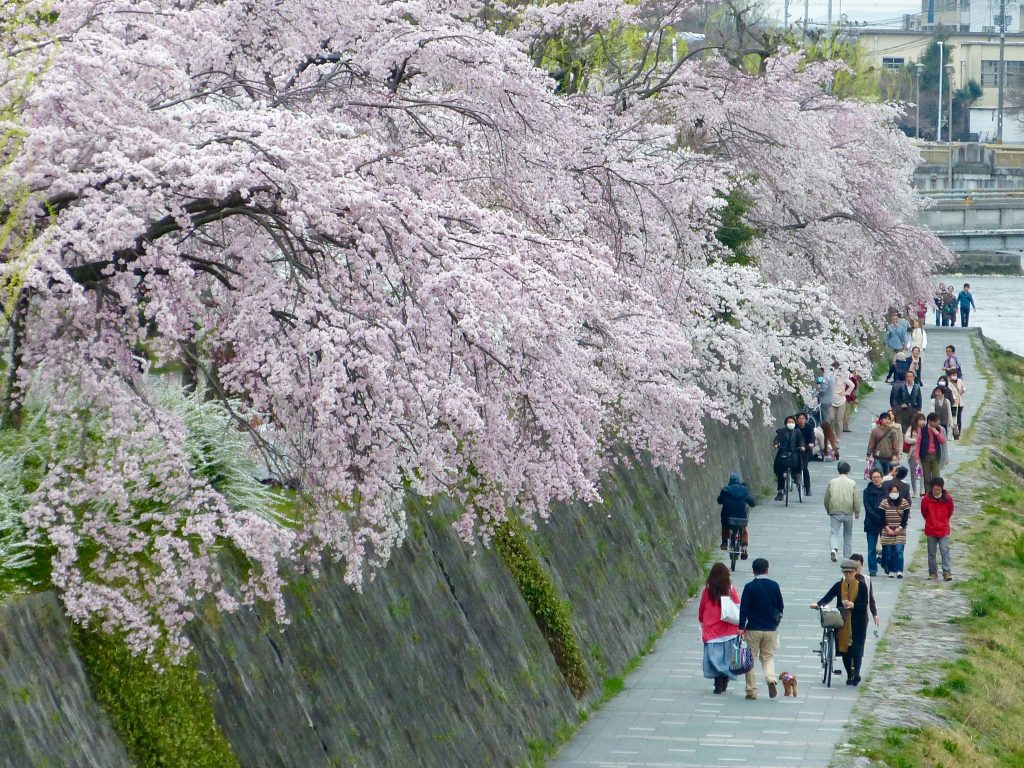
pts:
[439, 662]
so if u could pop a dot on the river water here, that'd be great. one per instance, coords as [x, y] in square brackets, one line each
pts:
[1000, 302]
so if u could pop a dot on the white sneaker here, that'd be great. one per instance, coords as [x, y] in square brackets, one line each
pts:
[899, 574]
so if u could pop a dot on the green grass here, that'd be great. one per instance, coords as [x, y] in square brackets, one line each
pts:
[980, 695]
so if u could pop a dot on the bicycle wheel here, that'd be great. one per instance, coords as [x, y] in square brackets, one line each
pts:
[799, 490]
[822, 647]
[830, 654]
[734, 551]
[788, 483]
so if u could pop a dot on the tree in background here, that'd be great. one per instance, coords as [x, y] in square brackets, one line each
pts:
[903, 84]
[458, 249]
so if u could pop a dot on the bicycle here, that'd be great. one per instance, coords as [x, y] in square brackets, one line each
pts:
[831, 620]
[792, 479]
[736, 526]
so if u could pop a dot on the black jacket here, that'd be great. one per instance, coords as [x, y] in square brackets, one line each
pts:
[789, 442]
[735, 498]
[761, 605]
[900, 396]
[807, 433]
[874, 517]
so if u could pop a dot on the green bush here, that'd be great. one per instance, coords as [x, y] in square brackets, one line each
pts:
[163, 715]
[551, 614]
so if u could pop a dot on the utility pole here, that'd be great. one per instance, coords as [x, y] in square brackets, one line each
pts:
[806, 13]
[942, 66]
[949, 135]
[830, 16]
[917, 120]
[1002, 70]
[785, 14]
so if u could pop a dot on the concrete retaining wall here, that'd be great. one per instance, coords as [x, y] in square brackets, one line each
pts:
[437, 663]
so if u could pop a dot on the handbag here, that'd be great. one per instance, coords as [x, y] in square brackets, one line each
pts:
[730, 611]
[742, 659]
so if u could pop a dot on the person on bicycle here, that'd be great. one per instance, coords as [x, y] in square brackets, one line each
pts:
[851, 595]
[805, 429]
[788, 445]
[735, 498]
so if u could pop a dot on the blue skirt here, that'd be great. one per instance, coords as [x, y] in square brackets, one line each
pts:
[717, 656]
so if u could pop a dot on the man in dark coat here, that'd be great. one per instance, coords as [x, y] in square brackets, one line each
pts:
[874, 517]
[789, 444]
[735, 498]
[905, 400]
[760, 613]
[803, 426]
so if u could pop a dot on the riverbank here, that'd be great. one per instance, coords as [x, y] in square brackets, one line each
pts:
[956, 657]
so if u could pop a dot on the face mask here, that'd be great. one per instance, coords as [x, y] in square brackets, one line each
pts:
[790, 425]
[953, 378]
[894, 496]
[942, 382]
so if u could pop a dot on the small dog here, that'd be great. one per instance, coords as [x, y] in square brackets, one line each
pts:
[788, 683]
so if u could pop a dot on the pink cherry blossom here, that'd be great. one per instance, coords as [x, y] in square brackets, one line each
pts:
[379, 231]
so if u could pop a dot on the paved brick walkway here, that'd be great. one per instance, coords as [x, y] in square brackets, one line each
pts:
[668, 717]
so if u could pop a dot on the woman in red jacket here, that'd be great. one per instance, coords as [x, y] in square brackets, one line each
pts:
[718, 635]
[936, 509]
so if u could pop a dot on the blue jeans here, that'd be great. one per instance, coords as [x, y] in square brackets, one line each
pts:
[892, 558]
[964, 314]
[872, 553]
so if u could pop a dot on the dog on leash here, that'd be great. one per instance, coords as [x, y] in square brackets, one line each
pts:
[788, 683]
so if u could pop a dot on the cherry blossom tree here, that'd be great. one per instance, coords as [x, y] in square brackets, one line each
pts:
[404, 259]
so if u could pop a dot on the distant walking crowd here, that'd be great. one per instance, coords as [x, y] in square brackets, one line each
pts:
[907, 449]
[947, 303]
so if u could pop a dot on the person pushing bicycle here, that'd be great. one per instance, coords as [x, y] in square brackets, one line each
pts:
[851, 595]
[735, 498]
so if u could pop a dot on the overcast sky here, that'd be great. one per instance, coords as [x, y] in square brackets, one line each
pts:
[855, 10]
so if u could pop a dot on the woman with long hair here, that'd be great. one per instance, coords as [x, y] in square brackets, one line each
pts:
[831, 444]
[718, 635]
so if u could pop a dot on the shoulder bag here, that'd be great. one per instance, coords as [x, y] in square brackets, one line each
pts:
[730, 611]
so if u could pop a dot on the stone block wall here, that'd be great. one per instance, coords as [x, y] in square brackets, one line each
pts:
[438, 662]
